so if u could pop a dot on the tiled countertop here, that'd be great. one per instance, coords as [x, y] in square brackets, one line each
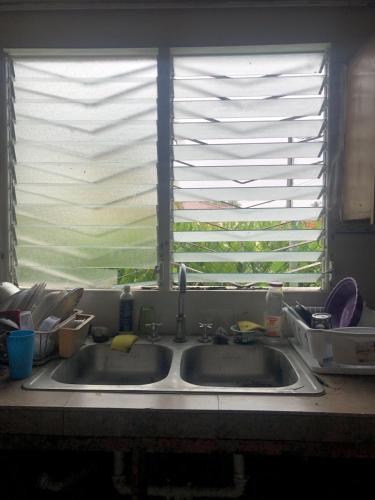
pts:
[344, 414]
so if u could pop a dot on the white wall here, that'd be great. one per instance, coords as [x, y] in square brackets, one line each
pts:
[226, 306]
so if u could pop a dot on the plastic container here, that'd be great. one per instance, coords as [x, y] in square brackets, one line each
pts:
[126, 310]
[146, 317]
[20, 345]
[47, 342]
[342, 351]
[274, 310]
[74, 334]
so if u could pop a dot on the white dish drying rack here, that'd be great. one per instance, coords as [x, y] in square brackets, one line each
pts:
[338, 351]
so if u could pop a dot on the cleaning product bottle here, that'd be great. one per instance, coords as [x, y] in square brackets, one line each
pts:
[126, 310]
[273, 311]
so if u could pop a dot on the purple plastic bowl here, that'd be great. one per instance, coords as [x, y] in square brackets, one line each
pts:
[344, 304]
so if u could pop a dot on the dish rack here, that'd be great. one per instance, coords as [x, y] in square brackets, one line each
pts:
[62, 341]
[332, 351]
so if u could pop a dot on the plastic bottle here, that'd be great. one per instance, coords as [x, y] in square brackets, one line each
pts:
[126, 310]
[273, 311]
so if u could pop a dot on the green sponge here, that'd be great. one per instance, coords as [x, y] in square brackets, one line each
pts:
[124, 342]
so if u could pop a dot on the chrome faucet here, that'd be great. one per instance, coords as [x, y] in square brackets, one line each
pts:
[181, 318]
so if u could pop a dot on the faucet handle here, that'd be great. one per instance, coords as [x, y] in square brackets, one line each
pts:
[205, 338]
[154, 335]
[205, 325]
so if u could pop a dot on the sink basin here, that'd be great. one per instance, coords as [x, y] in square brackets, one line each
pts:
[237, 366]
[170, 367]
[100, 365]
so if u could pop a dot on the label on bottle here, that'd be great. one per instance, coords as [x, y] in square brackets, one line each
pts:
[126, 316]
[273, 326]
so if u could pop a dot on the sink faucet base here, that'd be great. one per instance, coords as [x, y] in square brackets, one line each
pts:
[180, 336]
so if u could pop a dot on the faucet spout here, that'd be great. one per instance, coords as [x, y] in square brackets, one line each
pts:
[180, 317]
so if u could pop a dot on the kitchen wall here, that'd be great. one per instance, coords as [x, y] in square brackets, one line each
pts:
[345, 28]
[221, 307]
[358, 183]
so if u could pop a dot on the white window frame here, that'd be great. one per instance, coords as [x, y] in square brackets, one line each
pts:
[164, 162]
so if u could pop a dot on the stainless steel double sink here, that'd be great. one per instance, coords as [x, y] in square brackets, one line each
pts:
[167, 367]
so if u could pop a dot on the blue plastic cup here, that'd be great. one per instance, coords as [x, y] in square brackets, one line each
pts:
[20, 345]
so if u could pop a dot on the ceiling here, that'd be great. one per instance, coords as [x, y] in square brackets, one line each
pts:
[158, 4]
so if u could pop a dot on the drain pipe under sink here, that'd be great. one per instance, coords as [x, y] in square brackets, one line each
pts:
[181, 492]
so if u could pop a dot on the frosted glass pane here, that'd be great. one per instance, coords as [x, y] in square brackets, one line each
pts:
[79, 152]
[246, 64]
[266, 235]
[71, 257]
[247, 130]
[52, 112]
[247, 87]
[56, 173]
[29, 90]
[71, 215]
[126, 132]
[247, 214]
[246, 256]
[248, 193]
[247, 151]
[247, 108]
[86, 167]
[252, 278]
[95, 195]
[248, 172]
[96, 236]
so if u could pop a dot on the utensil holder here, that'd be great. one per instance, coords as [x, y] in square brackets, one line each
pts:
[73, 334]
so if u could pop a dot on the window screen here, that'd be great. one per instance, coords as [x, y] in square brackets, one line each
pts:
[249, 164]
[86, 168]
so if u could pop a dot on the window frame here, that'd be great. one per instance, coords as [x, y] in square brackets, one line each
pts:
[164, 166]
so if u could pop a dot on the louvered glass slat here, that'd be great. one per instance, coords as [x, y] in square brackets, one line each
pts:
[126, 132]
[247, 172]
[248, 193]
[132, 195]
[247, 130]
[105, 174]
[267, 235]
[59, 277]
[247, 214]
[86, 168]
[251, 278]
[246, 256]
[246, 108]
[247, 151]
[78, 152]
[29, 90]
[94, 70]
[73, 215]
[247, 87]
[246, 64]
[79, 235]
[71, 257]
[52, 112]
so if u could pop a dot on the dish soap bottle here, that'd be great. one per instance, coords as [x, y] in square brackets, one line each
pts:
[273, 312]
[126, 310]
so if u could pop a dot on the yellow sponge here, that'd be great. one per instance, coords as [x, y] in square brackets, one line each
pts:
[123, 342]
[248, 326]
